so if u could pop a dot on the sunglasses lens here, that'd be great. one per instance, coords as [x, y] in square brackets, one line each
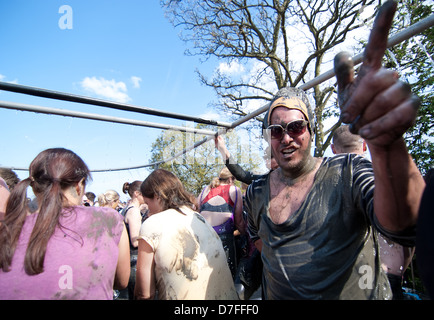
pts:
[276, 132]
[296, 127]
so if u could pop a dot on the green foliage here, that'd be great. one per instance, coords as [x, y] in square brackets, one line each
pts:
[412, 58]
[196, 168]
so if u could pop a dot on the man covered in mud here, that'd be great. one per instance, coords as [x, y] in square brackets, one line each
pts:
[314, 218]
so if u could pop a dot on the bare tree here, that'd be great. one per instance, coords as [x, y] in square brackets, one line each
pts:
[263, 36]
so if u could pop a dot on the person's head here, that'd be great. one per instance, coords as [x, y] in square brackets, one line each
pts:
[110, 199]
[58, 177]
[345, 142]
[133, 190]
[225, 177]
[58, 174]
[162, 190]
[90, 196]
[290, 98]
[10, 177]
[290, 128]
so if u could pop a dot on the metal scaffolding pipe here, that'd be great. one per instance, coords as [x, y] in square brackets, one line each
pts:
[91, 116]
[397, 38]
[44, 93]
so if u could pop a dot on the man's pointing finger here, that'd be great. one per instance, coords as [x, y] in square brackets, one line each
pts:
[377, 43]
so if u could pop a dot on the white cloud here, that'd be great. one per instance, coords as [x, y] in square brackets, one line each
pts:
[232, 67]
[109, 89]
[3, 78]
[211, 115]
[136, 81]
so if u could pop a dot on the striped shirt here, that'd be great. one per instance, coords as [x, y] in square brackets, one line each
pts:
[328, 248]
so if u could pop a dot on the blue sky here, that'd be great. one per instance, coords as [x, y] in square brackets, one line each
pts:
[124, 51]
[116, 50]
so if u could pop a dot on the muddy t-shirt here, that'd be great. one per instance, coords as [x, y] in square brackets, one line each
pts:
[80, 261]
[190, 262]
[328, 248]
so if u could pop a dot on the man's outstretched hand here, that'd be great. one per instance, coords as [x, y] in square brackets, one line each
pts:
[379, 107]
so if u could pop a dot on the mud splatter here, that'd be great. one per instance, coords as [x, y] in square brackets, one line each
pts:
[102, 222]
[187, 249]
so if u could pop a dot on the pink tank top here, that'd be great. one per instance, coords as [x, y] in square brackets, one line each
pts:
[80, 261]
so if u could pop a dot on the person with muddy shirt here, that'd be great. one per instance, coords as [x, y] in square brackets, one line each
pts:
[314, 218]
[63, 250]
[394, 258]
[180, 255]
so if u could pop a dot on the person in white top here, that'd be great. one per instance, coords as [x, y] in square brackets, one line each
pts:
[180, 255]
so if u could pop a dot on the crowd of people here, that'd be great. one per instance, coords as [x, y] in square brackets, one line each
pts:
[340, 227]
